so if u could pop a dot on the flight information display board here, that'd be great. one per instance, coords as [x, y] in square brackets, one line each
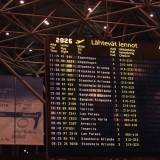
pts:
[103, 97]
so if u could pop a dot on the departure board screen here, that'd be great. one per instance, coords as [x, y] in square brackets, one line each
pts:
[103, 97]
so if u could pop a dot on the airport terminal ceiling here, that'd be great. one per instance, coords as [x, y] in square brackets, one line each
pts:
[25, 24]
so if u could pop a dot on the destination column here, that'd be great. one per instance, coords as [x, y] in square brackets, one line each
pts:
[87, 93]
[95, 99]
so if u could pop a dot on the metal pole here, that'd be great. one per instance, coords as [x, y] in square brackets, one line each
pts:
[22, 81]
[0, 149]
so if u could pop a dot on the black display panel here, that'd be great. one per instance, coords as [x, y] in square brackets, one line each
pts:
[103, 98]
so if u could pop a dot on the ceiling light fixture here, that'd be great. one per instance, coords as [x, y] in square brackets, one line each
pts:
[21, 2]
[151, 15]
[46, 22]
[7, 34]
[105, 27]
[90, 9]
[30, 50]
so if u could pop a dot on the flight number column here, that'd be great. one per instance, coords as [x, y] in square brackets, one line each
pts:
[68, 101]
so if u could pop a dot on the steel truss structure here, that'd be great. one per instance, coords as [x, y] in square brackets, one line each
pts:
[22, 27]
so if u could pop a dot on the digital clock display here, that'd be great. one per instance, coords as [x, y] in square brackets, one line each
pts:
[103, 98]
[64, 40]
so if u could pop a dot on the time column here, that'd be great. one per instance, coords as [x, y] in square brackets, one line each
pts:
[55, 100]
